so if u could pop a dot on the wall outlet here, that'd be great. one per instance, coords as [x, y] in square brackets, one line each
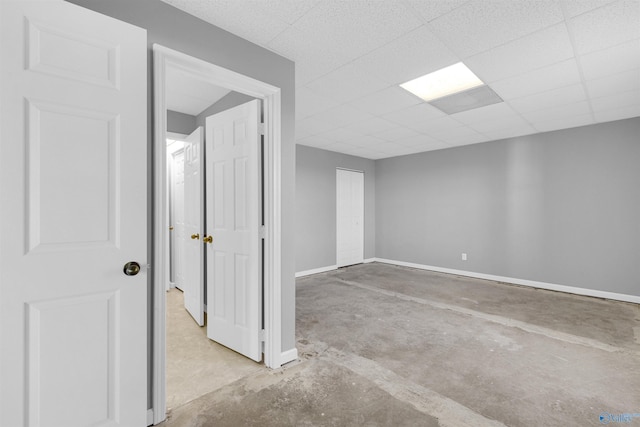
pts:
[464, 257]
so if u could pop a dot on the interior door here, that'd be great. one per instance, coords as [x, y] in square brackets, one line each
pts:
[73, 325]
[234, 257]
[192, 263]
[349, 217]
[177, 200]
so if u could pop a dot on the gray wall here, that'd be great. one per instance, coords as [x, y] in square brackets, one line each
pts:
[230, 100]
[316, 205]
[180, 123]
[177, 30]
[560, 207]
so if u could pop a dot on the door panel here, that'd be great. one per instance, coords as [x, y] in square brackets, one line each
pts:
[73, 326]
[349, 217]
[192, 262]
[234, 279]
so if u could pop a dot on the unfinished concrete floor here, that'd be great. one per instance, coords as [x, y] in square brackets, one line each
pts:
[382, 345]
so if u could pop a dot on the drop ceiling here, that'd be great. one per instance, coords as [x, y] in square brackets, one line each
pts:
[556, 64]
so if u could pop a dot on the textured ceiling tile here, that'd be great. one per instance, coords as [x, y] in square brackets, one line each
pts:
[562, 96]
[368, 141]
[437, 126]
[414, 115]
[493, 112]
[341, 116]
[578, 7]
[430, 10]
[618, 113]
[564, 123]
[554, 76]
[311, 126]
[396, 133]
[412, 55]
[309, 103]
[607, 26]
[513, 121]
[386, 101]
[356, 27]
[611, 85]
[346, 84]
[315, 141]
[557, 113]
[371, 126]
[340, 135]
[418, 140]
[481, 25]
[509, 132]
[537, 50]
[619, 100]
[623, 57]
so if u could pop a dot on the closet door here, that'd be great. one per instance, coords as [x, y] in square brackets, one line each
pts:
[349, 217]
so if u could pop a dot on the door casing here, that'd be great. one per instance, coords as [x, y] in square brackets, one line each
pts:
[163, 58]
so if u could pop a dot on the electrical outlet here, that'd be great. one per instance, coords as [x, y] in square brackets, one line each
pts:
[464, 257]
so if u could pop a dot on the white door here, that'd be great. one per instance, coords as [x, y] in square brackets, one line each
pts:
[192, 263]
[349, 217]
[234, 206]
[73, 326]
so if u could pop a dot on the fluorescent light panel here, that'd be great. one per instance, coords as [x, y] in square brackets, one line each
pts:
[446, 81]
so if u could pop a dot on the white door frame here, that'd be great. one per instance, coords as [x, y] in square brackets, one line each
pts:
[164, 57]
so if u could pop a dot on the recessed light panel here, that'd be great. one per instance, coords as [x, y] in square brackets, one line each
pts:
[468, 100]
[446, 81]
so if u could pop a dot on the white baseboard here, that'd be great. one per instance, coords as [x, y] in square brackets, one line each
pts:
[523, 282]
[289, 356]
[368, 260]
[316, 271]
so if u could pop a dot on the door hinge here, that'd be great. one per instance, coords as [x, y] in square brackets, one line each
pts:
[261, 128]
[263, 232]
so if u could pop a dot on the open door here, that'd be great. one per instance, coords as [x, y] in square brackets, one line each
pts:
[73, 244]
[192, 262]
[234, 206]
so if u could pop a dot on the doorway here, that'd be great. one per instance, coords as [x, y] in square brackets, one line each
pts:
[349, 217]
[165, 62]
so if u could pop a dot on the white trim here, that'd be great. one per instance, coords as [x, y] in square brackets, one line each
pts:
[289, 355]
[368, 260]
[523, 282]
[149, 417]
[316, 271]
[163, 57]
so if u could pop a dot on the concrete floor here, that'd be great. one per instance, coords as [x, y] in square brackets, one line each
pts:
[382, 345]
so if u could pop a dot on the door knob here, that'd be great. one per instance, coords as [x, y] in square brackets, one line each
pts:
[131, 268]
[171, 228]
[195, 236]
[207, 239]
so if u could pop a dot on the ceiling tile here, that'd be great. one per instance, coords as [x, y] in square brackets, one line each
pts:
[412, 55]
[430, 10]
[346, 84]
[371, 126]
[309, 103]
[492, 112]
[556, 97]
[311, 126]
[606, 26]
[554, 76]
[578, 7]
[481, 25]
[419, 140]
[366, 141]
[564, 123]
[340, 135]
[315, 141]
[623, 57]
[355, 27]
[610, 85]
[509, 122]
[428, 145]
[386, 101]
[618, 113]
[396, 133]
[557, 113]
[462, 134]
[510, 132]
[342, 116]
[537, 50]
[619, 100]
[414, 115]
[437, 126]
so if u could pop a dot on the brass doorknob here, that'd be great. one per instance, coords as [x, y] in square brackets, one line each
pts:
[171, 228]
[207, 239]
[131, 268]
[195, 236]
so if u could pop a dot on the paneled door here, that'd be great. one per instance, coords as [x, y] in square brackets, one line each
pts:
[192, 262]
[349, 217]
[73, 217]
[234, 218]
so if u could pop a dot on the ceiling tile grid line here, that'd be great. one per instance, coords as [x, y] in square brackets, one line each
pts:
[555, 63]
